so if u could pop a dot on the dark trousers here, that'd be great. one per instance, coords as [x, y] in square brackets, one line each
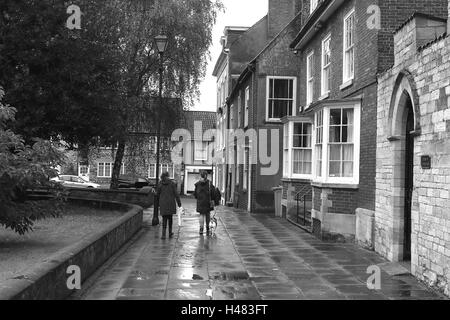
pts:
[168, 219]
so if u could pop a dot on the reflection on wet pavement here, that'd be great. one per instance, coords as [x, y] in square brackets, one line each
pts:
[250, 257]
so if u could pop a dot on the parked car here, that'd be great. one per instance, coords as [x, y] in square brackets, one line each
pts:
[75, 182]
[133, 182]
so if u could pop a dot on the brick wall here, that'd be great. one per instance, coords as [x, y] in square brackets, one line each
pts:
[281, 12]
[343, 201]
[393, 14]
[429, 73]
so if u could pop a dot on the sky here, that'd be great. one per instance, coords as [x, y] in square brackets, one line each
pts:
[242, 13]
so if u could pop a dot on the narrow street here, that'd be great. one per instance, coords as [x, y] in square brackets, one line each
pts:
[250, 257]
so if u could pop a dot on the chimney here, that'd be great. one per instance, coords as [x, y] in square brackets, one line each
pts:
[281, 12]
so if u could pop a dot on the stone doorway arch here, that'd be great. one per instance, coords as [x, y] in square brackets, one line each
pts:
[404, 126]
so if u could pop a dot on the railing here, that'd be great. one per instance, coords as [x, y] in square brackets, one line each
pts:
[303, 197]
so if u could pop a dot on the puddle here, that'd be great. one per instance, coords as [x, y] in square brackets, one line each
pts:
[196, 277]
[234, 275]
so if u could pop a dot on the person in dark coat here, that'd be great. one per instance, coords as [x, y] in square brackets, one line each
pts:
[204, 193]
[168, 199]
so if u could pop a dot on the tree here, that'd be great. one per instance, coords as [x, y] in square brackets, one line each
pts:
[188, 25]
[82, 85]
[24, 167]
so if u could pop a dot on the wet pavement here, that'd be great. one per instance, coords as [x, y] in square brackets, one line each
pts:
[250, 257]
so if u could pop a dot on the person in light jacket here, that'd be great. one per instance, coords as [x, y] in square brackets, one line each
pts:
[204, 193]
[168, 199]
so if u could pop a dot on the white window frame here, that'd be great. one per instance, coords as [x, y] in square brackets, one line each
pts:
[204, 148]
[239, 109]
[168, 166]
[247, 103]
[232, 116]
[245, 168]
[102, 174]
[325, 67]
[346, 62]
[84, 166]
[288, 151]
[152, 173]
[318, 127]
[325, 149]
[153, 144]
[294, 96]
[313, 4]
[309, 78]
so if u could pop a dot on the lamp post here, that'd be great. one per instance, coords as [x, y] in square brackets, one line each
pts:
[161, 45]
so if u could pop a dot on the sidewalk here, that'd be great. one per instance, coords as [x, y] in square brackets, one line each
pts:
[251, 257]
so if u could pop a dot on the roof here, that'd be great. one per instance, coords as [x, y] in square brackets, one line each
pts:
[250, 66]
[207, 120]
[417, 14]
[313, 19]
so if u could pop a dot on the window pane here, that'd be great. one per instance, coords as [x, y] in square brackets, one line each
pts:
[335, 169]
[335, 153]
[281, 89]
[348, 169]
[279, 109]
[335, 116]
[271, 81]
[348, 152]
[319, 160]
[335, 134]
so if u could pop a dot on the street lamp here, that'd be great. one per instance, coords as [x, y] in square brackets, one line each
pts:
[161, 45]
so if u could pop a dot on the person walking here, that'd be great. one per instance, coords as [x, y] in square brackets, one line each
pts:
[168, 199]
[204, 193]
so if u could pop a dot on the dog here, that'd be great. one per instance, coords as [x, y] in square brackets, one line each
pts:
[213, 225]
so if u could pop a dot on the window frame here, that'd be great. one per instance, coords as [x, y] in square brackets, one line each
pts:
[294, 96]
[325, 178]
[309, 78]
[325, 68]
[288, 150]
[103, 173]
[204, 150]
[246, 106]
[345, 78]
[152, 175]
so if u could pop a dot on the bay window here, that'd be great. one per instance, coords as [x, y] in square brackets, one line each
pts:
[319, 142]
[309, 78]
[326, 150]
[298, 153]
[326, 65]
[281, 96]
[337, 144]
[349, 46]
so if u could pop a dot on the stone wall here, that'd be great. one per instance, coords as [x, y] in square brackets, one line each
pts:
[424, 74]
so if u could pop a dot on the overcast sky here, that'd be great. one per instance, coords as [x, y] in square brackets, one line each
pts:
[243, 13]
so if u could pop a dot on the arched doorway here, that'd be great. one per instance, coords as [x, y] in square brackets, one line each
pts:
[404, 127]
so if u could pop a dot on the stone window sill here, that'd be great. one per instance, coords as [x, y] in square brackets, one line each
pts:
[335, 186]
[346, 84]
[325, 96]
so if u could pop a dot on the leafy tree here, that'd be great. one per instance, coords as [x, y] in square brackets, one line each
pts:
[188, 25]
[24, 167]
[81, 85]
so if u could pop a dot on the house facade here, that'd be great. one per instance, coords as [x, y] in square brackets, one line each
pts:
[330, 145]
[413, 152]
[245, 107]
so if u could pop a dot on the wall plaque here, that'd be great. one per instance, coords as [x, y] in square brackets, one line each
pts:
[426, 162]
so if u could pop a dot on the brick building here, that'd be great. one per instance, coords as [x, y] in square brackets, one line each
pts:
[413, 152]
[240, 45]
[230, 69]
[330, 147]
